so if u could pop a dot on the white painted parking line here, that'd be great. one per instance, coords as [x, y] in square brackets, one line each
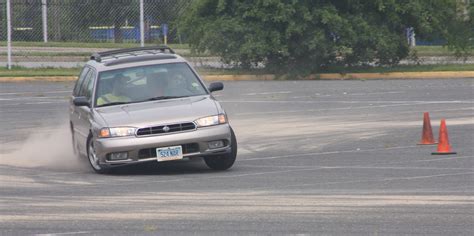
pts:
[358, 94]
[367, 113]
[30, 92]
[451, 190]
[31, 103]
[325, 153]
[66, 233]
[428, 160]
[398, 178]
[371, 180]
[33, 98]
[350, 101]
[266, 93]
[377, 93]
[332, 109]
[376, 165]
[395, 168]
[33, 110]
[362, 167]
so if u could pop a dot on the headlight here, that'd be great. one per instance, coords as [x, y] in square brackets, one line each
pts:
[211, 120]
[116, 132]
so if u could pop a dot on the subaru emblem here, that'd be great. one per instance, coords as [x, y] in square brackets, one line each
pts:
[166, 128]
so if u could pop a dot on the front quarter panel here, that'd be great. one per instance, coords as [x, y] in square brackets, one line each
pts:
[220, 109]
[97, 122]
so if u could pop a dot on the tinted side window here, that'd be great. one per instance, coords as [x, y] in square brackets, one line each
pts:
[85, 84]
[89, 85]
[82, 76]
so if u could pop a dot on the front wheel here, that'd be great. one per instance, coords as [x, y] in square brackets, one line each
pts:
[225, 161]
[93, 159]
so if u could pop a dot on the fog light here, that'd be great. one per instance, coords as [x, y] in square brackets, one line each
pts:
[216, 144]
[118, 156]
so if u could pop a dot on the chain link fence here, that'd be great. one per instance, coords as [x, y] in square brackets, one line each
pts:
[63, 33]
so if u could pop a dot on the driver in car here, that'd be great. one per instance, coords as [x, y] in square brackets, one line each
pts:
[116, 94]
[156, 84]
[177, 86]
[163, 84]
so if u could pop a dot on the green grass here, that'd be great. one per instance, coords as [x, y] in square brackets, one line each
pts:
[86, 45]
[25, 72]
[49, 54]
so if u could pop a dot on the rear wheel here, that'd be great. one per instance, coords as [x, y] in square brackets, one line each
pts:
[93, 159]
[225, 161]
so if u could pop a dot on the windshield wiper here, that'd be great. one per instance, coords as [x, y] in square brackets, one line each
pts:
[164, 97]
[113, 103]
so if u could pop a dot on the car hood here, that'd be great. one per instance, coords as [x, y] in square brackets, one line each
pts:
[160, 112]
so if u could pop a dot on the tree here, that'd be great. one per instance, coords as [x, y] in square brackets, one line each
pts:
[305, 35]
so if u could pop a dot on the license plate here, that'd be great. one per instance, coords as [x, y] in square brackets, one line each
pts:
[169, 153]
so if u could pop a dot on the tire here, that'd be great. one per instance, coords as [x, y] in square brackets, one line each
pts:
[93, 160]
[225, 161]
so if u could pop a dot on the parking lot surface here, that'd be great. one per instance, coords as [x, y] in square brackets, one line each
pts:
[314, 157]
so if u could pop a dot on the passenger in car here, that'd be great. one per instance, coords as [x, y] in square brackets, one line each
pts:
[116, 93]
[166, 84]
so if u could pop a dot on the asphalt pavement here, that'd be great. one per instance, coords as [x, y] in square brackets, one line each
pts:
[314, 157]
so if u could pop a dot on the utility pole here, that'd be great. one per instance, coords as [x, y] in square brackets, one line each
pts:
[44, 7]
[142, 24]
[9, 36]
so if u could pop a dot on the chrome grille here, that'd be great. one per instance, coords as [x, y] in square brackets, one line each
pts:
[166, 129]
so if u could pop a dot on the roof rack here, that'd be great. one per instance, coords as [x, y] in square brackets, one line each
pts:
[130, 51]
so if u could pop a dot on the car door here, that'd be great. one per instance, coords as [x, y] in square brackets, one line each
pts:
[82, 127]
[73, 114]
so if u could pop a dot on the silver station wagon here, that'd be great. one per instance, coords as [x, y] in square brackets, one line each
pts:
[147, 104]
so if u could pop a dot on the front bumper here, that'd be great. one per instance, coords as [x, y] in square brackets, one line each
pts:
[140, 149]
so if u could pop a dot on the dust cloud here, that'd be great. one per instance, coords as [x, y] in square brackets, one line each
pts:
[50, 149]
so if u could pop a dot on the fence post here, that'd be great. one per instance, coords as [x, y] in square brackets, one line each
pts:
[142, 25]
[412, 38]
[9, 37]
[44, 7]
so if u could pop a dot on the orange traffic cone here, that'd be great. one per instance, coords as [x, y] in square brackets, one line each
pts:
[443, 147]
[427, 135]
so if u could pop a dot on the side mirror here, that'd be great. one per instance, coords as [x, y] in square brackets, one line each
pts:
[216, 86]
[81, 101]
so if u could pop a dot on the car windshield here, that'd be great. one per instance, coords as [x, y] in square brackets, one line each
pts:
[147, 83]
